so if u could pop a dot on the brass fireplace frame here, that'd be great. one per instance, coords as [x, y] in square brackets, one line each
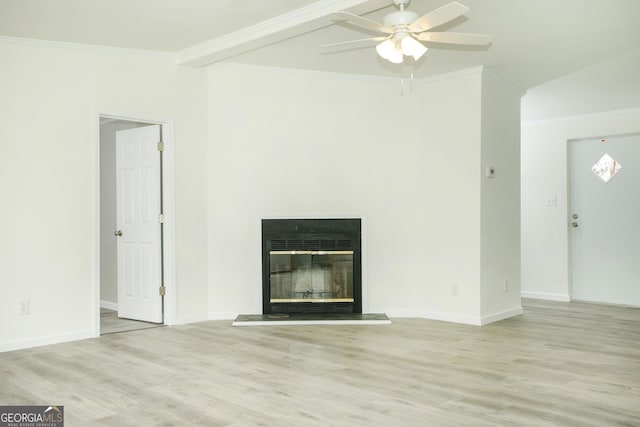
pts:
[334, 236]
[308, 296]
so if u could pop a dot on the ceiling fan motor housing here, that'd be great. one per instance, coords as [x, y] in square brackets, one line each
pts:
[401, 17]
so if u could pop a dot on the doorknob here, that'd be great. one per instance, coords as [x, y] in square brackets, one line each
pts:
[574, 224]
[574, 216]
[118, 233]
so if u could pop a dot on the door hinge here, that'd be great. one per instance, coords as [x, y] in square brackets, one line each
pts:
[161, 218]
[163, 290]
[160, 146]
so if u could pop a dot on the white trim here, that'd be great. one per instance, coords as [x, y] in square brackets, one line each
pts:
[450, 75]
[457, 318]
[46, 340]
[91, 47]
[109, 305]
[362, 77]
[168, 186]
[588, 116]
[222, 315]
[95, 262]
[302, 72]
[193, 318]
[296, 22]
[505, 82]
[615, 304]
[445, 317]
[168, 180]
[546, 296]
[501, 315]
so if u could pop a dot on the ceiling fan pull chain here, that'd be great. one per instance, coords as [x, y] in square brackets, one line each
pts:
[412, 69]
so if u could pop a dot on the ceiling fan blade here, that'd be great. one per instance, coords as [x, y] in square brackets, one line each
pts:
[362, 22]
[372, 39]
[438, 17]
[455, 38]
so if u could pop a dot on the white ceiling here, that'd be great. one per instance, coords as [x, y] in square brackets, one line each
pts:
[535, 41]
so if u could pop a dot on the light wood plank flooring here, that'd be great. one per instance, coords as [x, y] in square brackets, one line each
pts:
[559, 364]
[110, 323]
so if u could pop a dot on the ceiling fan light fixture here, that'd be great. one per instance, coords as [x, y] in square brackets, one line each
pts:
[386, 48]
[396, 55]
[412, 47]
[402, 32]
[390, 50]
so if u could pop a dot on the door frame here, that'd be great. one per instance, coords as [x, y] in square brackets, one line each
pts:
[569, 206]
[168, 197]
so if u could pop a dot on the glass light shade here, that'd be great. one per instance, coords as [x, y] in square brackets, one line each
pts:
[412, 47]
[386, 48]
[396, 55]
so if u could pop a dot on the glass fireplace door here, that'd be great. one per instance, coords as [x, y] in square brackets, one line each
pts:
[311, 276]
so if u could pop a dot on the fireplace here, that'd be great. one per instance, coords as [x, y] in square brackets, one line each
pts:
[311, 266]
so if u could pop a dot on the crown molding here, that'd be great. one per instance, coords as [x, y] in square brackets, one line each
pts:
[300, 71]
[587, 116]
[498, 77]
[331, 74]
[86, 47]
[451, 75]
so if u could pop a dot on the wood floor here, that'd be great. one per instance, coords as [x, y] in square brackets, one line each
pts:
[110, 323]
[559, 364]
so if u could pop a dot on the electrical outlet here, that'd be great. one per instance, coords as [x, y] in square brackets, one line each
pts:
[24, 307]
[454, 290]
[506, 286]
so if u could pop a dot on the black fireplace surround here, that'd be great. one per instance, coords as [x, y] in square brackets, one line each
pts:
[311, 266]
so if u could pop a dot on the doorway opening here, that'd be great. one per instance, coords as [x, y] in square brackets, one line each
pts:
[133, 244]
[603, 177]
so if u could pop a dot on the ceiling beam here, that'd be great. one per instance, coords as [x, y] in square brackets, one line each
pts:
[280, 28]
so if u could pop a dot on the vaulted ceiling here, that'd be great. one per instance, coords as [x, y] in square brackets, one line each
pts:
[534, 40]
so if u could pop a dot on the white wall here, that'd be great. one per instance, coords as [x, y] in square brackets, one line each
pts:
[280, 143]
[51, 95]
[600, 100]
[609, 85]
[545, 249]
[500, 210]
[309, 144]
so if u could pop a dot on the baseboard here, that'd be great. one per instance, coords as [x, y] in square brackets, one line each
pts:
[46, 340]
[501, 315]
[192, 318]
[222, 315]
[445, 317]
[546, 296]
[109, 305]
[457, 318]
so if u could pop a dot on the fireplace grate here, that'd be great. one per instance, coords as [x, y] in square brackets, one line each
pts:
[310, 244]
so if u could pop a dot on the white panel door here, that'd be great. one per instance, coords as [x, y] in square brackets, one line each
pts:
[138, 227]
[604, 219]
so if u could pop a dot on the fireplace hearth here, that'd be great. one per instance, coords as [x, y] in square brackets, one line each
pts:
[311, 266]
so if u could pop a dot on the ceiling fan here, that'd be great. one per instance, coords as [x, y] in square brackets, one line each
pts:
[403, 31]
